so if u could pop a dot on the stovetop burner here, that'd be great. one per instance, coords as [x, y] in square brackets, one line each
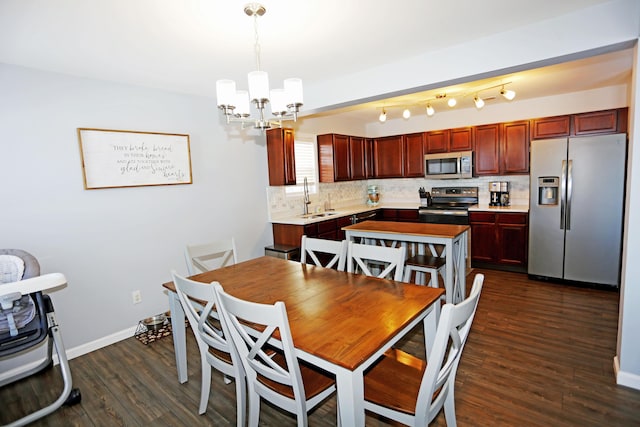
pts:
[452, 198]
[449, 205]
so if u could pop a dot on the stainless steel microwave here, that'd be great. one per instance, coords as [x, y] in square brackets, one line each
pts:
[449, 165]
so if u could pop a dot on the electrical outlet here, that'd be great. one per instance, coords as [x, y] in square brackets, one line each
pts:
[136, 296]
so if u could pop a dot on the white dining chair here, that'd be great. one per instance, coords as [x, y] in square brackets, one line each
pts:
[216, 350]
[210, 256]
[277, 377]
[361, 258]
[322, 252]
[411, 391]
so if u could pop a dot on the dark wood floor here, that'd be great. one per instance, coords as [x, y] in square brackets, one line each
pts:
[538, 355]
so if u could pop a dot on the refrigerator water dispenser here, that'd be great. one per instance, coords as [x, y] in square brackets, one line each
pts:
[548, 190]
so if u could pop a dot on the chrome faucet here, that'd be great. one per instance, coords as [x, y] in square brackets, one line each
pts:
[306, 196]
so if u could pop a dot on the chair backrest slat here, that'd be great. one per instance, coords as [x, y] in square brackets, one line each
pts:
[360, 257]
[210, 256]
[315, 249]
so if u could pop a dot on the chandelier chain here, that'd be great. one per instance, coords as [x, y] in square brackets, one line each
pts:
[257, 41]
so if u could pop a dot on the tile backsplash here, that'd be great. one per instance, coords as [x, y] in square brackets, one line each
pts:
[400, 190]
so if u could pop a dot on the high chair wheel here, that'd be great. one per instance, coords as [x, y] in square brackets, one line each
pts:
[74, 397]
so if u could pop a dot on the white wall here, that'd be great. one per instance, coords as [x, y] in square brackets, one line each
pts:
[628, 351]
[109, 242]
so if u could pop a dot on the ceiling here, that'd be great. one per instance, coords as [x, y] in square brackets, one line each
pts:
[186, 45]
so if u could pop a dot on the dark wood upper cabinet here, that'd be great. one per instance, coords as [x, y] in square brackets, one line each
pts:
[388, 156]
[414, 154]
[368, 156]
[514, 148]
[357, 157]
[596, 122]
[499, 148]
[437, 141]
[461, 139]
[502, 148]
[551, 127]
[487, 149]
[333, 158]
[281, 156]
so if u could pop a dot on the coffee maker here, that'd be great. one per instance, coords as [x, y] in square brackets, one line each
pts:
[494, 193]
[499, 193]
[504, 193]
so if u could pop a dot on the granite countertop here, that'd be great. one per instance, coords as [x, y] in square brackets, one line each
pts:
[484, 207]
[314, 217]
[340, 212]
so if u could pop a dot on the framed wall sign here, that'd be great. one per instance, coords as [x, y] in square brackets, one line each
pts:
[122, 158]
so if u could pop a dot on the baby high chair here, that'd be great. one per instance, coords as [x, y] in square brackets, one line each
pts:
[27, 318]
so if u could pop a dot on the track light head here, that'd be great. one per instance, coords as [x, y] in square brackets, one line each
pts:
[479, 102]
[406, 114]
[430, 110]
[452, 102]
[383, 116]
[508, 94]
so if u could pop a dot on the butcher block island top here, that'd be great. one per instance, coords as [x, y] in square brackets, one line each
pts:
[409, 228]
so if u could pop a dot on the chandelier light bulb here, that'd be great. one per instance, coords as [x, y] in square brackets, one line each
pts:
[406, 113]
[242, 104]
[278, 101]
[479, 102]
[430, 110]
[383, 116]
[226, 91]
[452, 102]
[293, 90]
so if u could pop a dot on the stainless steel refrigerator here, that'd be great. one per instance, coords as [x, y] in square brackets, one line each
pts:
[576, 208]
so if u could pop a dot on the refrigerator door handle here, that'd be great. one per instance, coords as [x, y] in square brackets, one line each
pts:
[569, 194]
[563, 194]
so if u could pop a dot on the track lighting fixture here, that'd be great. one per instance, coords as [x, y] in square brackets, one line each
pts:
[479, 102]
[430, 110]
[464, 97]
[508, 94]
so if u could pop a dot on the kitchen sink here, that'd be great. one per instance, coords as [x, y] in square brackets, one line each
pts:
[318, 215]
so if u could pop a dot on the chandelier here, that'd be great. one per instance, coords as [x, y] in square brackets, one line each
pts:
[285, 103]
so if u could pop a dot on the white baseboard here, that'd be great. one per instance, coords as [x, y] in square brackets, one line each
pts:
[625, 378]
[100, 343]
[74, 352]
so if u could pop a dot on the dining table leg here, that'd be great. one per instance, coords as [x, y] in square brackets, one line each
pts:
[430, 325]
[179, 336]
[350, 397]
[460, 267]
[449, 276]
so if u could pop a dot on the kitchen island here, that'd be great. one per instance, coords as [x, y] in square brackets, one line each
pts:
[452, 237]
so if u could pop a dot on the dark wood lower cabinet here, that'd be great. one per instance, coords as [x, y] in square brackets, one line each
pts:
[499, 240]
[400, 215]
[291, 235]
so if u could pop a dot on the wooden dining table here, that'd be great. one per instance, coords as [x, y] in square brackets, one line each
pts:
[341, 322]
[453, 237]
